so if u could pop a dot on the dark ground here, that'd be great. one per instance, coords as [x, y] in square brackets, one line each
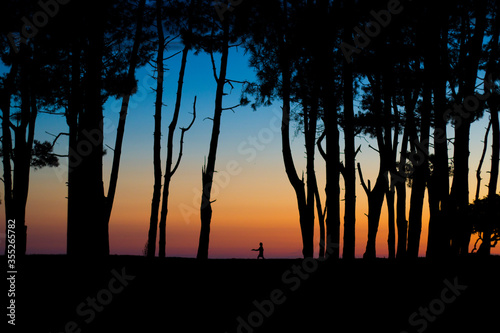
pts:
[183, 295]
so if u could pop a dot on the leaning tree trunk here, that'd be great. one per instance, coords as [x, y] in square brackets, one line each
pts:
[117, 152]
[209, 168]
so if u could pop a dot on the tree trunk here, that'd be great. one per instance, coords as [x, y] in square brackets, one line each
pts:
[493, 101]
[420, 161]
[310, 121]
[400, 181]
[168, 170]
[87, 223]
[349, 152]
[438, 242]
[117, 152]
[7, 148]
[22, 150]
[321, 220]
[420, 176]
[481, 161]
[74, 111]
[209, 168]
[459, 195]
[332, 164]
[391, 239]
[375, 201]
[155, 202]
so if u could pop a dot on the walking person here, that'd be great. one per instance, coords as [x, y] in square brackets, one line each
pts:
[261, 251]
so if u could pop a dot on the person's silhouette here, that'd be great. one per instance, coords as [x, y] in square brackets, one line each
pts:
[261, 251]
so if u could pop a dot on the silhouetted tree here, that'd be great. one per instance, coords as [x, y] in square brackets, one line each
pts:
[99, 68]
[169, 171]
[25, 92]
[219, 36]
[491, 77]
[470, 49]
[349, 138]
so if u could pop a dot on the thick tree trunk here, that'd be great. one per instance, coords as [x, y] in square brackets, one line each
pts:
[459, 195]
[155, 202]
[7, 148]
[375, 201]
[209, 167]
[439, 184]
[22, 154]
[420, 176]
[493, 104]
[420, 161]
[89, 228]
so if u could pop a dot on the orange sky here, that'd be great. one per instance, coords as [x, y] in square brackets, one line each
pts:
[254, 203]
[254, 200]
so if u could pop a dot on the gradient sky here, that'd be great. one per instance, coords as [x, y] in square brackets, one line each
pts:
[254, 200]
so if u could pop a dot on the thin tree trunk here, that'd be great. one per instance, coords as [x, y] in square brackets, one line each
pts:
[168, 170]
[401, 221]
[321, 219]
[310, 136]
[481, 161]
[209, 168]
[391, 239]
[349, 152]
[134, 57]
[332, 164]
[155, 202]
[74, 111]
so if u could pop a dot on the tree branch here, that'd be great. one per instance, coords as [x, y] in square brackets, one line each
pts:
[213, 66]
[231, 108]
[363, 184]
[11, 125]
[184, 130]
[56, 137]
[320, 148]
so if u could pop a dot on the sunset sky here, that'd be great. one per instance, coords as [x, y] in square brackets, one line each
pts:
[254, 200]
